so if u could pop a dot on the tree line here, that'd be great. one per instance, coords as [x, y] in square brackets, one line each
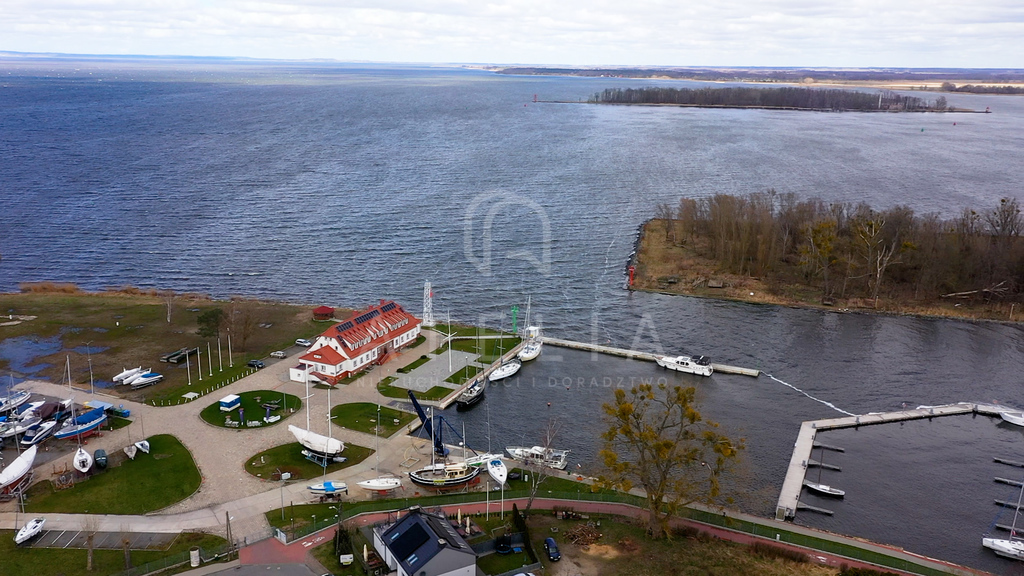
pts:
[852, 250]
[974, 89]
[788, 97]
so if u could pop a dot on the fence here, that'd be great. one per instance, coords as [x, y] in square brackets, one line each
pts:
[772, 532]
[204, 391]
[176, 560]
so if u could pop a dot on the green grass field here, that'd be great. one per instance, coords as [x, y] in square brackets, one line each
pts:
[289, 458]
[463, 375]
[252, 407]
[362, 416]
[386, 389]
[414, 364]
[71, 562]
[153, 481]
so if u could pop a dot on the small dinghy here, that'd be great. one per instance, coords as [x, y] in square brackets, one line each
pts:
[83, 460]
[131, 450]
[1016, 418]
[29, 530]
[127, 374]
[100, 457]
[143, 445]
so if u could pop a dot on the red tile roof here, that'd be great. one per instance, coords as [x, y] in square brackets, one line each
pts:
[367, 330]
[324, 355]
[323, 310]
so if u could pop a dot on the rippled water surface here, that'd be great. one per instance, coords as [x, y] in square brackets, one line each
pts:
[344, 184]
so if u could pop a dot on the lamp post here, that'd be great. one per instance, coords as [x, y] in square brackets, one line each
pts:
[88, 353]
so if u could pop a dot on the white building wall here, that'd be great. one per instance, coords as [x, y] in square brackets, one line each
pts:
[467, 571]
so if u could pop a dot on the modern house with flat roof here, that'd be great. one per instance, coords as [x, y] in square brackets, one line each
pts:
[373, 336]
[423, 543]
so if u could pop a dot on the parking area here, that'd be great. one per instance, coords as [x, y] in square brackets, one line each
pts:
[103, 540]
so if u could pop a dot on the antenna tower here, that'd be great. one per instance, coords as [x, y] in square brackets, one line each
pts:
[428, 305]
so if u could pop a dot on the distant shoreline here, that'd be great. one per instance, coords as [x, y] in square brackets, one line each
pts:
[788, 108]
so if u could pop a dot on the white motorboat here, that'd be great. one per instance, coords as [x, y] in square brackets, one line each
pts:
[329, 487]
[699, 365]
[143, 445]
[136, 376]
[1013, 417]
[498, 471]
[505, 370]
[131, 451]
[147, 379]
[824, 489]
[9, 429]
[317, 443]
[540, 456]
[381, 483]
[530, 350]
[38, 433]
[127, 374]
[83, 460]
[16, 470]
[13, 400]
[29, 530]
[26, 411]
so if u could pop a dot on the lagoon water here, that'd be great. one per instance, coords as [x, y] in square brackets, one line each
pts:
[343, 184]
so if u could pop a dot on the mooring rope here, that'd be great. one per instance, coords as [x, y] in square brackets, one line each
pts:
[829, 404]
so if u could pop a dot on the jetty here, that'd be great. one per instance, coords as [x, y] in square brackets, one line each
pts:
[634, 354]
[789, 497]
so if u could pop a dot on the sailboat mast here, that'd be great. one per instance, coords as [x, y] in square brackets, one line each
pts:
[1016, 512]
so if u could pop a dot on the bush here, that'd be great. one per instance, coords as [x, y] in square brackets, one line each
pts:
[765, 550]
[847, 571]
[49, 287]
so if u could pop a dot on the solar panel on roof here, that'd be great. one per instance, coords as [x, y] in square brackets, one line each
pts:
[388, 307]
[345, 326]
[367, 316]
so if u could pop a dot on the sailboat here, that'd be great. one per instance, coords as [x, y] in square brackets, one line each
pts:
[29, 530]
[317, 444]
[439, 475]
[470, 396]
[328, 488]
[380, 483]
[1011, 547]
[506, 369]
[823, 489]
[82, 460]
[13, 399]
[531, 349]
[12, 475]
[498, 471]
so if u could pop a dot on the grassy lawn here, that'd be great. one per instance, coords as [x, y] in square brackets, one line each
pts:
[324, 554]
[386, 389]
[488, 350]
[300, 515]
[71, 562]
[252, 407]
[625, 549]
[150, 482]
[289, 458]
[463, 375]
[414, 365]
[463, 330]
[501, 563]
[362, 416]
[129, 328]
[116, 422]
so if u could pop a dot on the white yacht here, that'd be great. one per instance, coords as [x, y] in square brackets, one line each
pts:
[550, 457]
[699, 365]
[505, 370]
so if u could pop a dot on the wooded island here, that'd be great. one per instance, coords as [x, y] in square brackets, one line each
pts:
[834, 100]
[775, 248]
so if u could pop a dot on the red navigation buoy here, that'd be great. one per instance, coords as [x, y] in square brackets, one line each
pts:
[549, 404]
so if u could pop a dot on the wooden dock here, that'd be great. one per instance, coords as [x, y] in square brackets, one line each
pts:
[789, 497]
[633, 354]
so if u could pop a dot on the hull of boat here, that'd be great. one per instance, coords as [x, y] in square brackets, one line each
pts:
[143, 445]
[82, 461]
[131, 379]
[329, 488]
[30, 530]
[498, 471]
[82, 426]
[824, 489]
[38, 433]
[1013, 417]
[469, 399]
[147, 379]
[557, 459]
[529, 352]
[686, 365]
[1005, 547]
[382, 484]
[505, 370]
[131, 451]
[8, 403]
[16, 470]
[127, 374]
[437, 477]
[317, 443]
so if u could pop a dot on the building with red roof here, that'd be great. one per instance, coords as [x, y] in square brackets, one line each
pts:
[373, 336]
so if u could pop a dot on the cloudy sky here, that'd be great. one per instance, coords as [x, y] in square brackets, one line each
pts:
[863, 33]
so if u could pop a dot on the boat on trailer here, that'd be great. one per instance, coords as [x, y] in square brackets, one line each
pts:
[127, 374]
[29, 530]
[317, 443]
[147, 379]
[329, 488]
[12, 475]
[699, 365]
[82, 461]
[381, 483]
[82, 426]
[38, 433]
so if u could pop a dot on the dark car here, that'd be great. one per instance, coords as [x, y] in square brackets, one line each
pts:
[256, 364]
[552, 549]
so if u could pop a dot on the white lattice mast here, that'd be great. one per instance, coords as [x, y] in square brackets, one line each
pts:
[428, 305]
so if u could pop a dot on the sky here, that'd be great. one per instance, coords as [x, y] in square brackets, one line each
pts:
[812, 33]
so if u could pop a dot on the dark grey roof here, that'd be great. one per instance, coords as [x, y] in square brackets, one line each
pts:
[420, 536]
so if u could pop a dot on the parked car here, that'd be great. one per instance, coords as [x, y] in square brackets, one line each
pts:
[278, 354]
[256, 364]
[303, 342]
[552, 549]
